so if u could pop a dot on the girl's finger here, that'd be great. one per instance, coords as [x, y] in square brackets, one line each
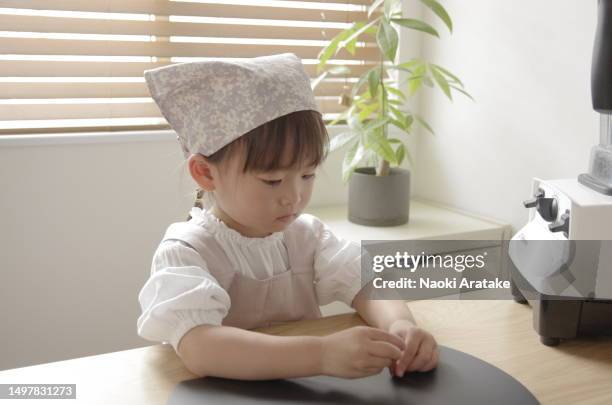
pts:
[372, 370]
[379, 334]
[423, 356]
[377, 362]
[384, 349]
[392, 368]
[408, 355]
[420, 360]
[433, 362]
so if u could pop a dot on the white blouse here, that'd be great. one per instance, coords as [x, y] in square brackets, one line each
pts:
[181, 293]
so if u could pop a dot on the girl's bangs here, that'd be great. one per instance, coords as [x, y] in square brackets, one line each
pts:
[302, 134]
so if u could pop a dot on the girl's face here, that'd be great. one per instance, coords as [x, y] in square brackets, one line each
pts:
[259, 203]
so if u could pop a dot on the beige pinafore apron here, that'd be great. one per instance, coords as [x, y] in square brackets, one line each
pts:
[287, 296]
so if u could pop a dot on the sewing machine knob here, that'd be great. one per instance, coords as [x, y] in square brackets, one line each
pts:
[562, 225]
[533, 202]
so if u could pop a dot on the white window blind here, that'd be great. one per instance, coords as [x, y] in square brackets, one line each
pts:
[78, 65]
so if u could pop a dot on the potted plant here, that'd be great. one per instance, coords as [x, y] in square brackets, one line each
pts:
[379, 193]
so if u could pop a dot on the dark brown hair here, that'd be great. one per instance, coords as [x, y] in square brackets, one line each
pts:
[303, 132]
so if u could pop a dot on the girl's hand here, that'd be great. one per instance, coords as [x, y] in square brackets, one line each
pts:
[421, 351]
[359, 351]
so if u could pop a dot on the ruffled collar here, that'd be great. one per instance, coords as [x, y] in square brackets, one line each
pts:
[214, 225]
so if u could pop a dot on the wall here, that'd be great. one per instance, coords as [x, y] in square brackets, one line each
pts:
[527, 64]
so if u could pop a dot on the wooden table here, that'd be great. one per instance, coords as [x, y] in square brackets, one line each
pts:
[498, 332]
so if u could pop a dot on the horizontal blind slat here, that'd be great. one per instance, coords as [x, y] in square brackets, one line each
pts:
[12, 90]
[110, 69]
[166, 8]
[80, 125]
[107, 110]
[72, 90]
[71, 111]
[29, 127]
[160, 28]
[331, 105]
[35, 46]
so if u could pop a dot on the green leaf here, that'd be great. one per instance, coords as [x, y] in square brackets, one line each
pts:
[328, 51]
[363, 27]
[400, 152]
[414, 85]
[387, 39]
[394, 140]
[415, 77]
[416, 81]
[318, 80]
[408, 121]
[367, 111]
[416, 25]
[380, 144]
[362, 80]
[403, 121]
[462, 91]
[374, 81]
[374, 124]
[398, 124]
[364, 97]
[396, 92]
[364, 114]
[423, 123]
[341, 139]
[372, 31]
[374, 6]
[394, 102]
[350, 46]
[397, 113]
[361, 102]
[348, 159]
[440, 12]
[399, 68]
[410, 63]
[339, 70]
[353, 119]
[392, 7]
[442, 83]
[446, 72]
[351, 160]
[387, 8]
[334, 45]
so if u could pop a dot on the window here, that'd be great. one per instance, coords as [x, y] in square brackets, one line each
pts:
[77, 65]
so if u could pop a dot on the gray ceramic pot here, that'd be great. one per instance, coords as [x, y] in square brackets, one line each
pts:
[379, 200]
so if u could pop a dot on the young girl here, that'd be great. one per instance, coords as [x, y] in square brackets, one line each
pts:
[253, 137]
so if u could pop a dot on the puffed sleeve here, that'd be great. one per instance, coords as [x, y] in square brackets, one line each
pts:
[179, 295]
[337, 266]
